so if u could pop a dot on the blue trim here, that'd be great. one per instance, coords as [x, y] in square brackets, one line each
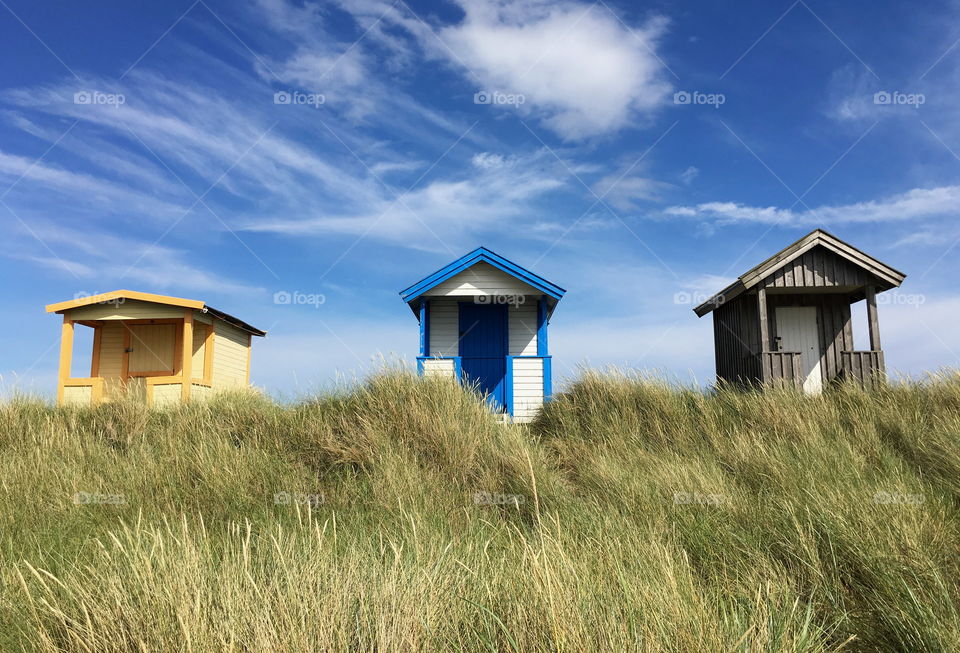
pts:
[426, 328]
[547, 378]
[476, 256]
[508, 387]
[458, 368]
[420, 365]
[423, 327]
[542, 320]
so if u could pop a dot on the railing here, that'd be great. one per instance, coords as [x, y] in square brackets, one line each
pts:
[87, 390]
[866, 368]
[440, 366]
[782, 367]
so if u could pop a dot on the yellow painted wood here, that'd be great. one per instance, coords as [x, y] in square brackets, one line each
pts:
[113, 296]
[230, 355]
[208, 356]
[95, 357]
[153, 349]
[129, 310]
[66, 355]
[187, 365]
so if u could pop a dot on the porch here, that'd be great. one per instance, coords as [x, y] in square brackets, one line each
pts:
[141, 359]
[151, 348]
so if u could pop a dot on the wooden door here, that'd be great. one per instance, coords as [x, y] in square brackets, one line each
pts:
[797, 329]
[483, 349]
[152, 350]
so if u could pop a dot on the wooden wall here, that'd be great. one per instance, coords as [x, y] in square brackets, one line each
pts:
[817, 268]
[445, 327]
[833, 324]
[230, 355]
[481, 279]
[736, 334]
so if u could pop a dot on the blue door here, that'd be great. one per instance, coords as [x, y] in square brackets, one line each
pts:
[483, 348]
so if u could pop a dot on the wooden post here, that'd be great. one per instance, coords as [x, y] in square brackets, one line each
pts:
[424, 337]
[66, 356]
[208, 357]
[873, 322]
[764, 323]
[186, 368]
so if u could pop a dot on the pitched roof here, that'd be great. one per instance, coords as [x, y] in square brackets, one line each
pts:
[888, 276]
[481, 254]
[60, 307]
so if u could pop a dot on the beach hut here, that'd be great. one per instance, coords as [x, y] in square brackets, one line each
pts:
[483, 320]
[787, 320]
[151, 347]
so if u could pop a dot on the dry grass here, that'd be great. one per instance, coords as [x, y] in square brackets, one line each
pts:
[646, 517]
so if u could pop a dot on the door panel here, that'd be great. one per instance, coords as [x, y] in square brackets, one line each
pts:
[797, 329]
[153, 348]
[483, 348]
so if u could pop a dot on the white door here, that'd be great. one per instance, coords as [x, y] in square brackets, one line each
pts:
[797, 328]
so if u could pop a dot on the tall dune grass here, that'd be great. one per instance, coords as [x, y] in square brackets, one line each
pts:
[399, 515]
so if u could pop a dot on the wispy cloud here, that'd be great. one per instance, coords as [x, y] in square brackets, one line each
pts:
[916, 204]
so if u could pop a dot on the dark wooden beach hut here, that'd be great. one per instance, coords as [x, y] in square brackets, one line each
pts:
[787, 320]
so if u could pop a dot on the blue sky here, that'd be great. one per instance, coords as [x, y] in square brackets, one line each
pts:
[639, 155]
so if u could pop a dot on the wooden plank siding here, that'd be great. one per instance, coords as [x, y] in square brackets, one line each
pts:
[865, 368]
[783, 367]
[736, 332]
[835, 333]
[817, 268]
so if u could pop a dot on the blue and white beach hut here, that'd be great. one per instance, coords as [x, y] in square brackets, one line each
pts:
[483, 320]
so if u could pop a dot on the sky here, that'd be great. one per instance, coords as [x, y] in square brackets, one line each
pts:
[639, 155]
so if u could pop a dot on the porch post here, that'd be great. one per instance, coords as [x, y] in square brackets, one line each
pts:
[66, 355]
[764, 323]
[872, 321]
[543, 348]
[424, 329]
[186, 367]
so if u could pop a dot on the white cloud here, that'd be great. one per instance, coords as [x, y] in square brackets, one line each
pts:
[445, 213]
[625, 193]
[915, 204]
[578, 65]
[688, 175]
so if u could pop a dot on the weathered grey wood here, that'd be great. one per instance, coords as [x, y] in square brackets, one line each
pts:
[872, 320]
[764, 323]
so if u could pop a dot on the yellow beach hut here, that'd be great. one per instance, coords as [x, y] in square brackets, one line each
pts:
[139, 348]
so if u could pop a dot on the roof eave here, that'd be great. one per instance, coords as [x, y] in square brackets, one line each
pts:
[481, 254]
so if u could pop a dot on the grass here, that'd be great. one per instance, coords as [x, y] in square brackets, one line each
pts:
[398, 515]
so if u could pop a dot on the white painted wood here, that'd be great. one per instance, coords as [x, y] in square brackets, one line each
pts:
[522, 316]
[527, 388]
[438, 367]
[444, 327]
[482, 279]
[797, 328]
